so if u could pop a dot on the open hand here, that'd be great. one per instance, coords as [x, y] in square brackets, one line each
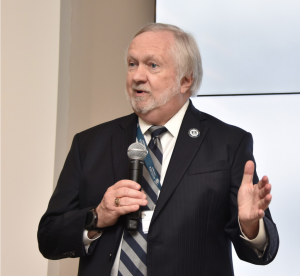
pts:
[253, 200]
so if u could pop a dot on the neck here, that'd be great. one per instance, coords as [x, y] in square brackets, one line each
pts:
[155, 119]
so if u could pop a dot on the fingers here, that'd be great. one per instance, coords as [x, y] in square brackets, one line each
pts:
[128, 205]
[264, 193]
[263, 182]
[248, 173]
[263, 205]
[127, 192]
[265, 190]
[127, 201]
[123, 210]
[127, 188]
[126, 183]
[265, 202]
[260, 213]
[130, 200]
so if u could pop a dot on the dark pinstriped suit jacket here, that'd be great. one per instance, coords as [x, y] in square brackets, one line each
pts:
[195, 219]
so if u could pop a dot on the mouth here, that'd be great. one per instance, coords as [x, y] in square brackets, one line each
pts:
[140, 92]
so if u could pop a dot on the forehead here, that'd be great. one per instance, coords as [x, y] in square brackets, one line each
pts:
[151, 44]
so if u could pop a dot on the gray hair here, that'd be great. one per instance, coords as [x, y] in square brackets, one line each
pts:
[185, 52]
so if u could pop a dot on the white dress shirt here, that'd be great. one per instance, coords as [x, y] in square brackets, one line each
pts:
[168, 141]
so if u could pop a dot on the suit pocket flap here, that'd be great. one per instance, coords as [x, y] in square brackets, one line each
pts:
[209, 167]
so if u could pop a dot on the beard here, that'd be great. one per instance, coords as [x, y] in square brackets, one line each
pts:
[144, 104]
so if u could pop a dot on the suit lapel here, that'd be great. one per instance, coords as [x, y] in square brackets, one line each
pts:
[121, 140]
[184, 151]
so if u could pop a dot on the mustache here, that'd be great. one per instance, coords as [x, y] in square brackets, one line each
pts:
[140, 88]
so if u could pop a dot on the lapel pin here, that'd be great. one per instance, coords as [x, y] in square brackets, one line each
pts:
[194, 133]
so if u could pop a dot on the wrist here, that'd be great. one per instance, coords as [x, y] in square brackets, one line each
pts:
[92, 234]
[250, 228]
[91, 222]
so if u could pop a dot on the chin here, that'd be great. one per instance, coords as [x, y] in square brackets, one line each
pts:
[145, 104]
[141, 107]
[140, 104]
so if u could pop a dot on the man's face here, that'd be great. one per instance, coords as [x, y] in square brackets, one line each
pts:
[151, 75]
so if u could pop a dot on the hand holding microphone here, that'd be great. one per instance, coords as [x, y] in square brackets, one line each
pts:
[128, 193]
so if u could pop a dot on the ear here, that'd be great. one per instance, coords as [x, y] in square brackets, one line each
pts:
[186, 83]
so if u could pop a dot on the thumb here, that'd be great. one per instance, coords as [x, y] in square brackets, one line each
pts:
[248, 173]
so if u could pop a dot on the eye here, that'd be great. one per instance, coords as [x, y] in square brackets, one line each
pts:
[153, 65]
[131, 64]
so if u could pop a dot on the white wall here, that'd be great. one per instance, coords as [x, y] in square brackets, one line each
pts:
[30, 51]
[93, 41]
[274, 124]
[63, 71]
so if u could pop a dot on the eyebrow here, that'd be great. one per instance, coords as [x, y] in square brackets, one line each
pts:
[147, 57]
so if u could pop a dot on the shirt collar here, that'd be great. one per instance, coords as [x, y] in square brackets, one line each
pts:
[173, 125]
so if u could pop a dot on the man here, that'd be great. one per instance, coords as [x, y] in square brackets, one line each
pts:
[206, 197]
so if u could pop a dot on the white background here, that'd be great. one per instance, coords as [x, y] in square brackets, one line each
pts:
[249, 46]
[274, 124]
[254, 47]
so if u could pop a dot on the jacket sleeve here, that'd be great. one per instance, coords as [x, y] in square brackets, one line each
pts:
[244, 153]
[61, 227]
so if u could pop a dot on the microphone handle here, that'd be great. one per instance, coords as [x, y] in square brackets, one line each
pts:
[135, 174]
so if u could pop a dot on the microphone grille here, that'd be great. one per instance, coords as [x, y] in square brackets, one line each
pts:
[137, 151]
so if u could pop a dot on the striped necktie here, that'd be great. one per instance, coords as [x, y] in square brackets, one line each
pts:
[134, 245]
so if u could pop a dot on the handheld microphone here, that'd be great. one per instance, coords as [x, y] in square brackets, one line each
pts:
[136, 154]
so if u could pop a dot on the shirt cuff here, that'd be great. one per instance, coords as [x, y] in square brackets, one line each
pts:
[87, 241]
[260, 243]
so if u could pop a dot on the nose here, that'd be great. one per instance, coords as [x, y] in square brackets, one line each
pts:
[140, 74]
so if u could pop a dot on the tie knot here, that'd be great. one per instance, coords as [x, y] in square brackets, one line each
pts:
[157, 131]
